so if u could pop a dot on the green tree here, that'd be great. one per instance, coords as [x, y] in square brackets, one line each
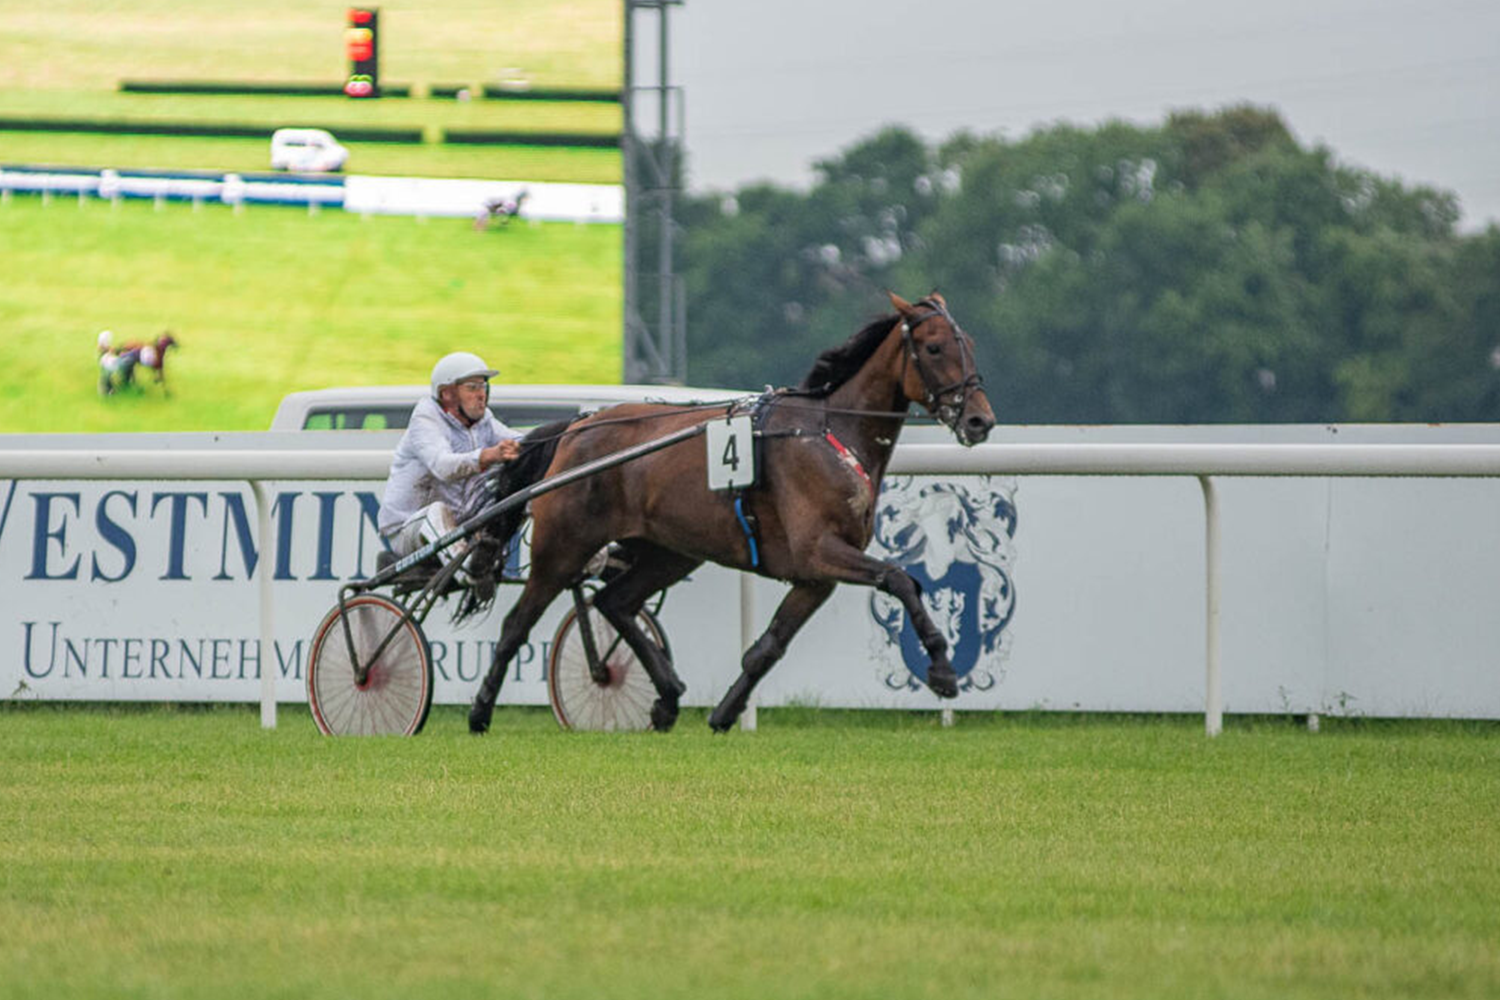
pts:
[1210, 269]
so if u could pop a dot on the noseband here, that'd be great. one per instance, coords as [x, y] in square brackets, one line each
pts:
[948, 401]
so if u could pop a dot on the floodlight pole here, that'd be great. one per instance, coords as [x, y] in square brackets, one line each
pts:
[655, 331]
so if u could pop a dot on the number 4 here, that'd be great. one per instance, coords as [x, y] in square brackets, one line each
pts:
[731, 456]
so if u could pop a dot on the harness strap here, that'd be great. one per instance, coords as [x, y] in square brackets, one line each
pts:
[739, 512]
[851, 460]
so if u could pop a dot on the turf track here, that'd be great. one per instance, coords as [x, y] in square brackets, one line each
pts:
[63, 59]
[272, 300]
[85, 44]
[155, 852]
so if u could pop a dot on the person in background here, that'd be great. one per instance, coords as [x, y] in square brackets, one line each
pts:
[115, 367]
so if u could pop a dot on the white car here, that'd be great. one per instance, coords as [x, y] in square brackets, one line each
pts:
[312, 150]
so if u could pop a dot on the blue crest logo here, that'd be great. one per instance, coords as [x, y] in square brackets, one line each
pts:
[957, 540]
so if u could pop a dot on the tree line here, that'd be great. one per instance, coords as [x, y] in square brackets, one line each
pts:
[1210, 269]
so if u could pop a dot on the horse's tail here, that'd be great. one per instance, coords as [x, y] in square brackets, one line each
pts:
[502, 534]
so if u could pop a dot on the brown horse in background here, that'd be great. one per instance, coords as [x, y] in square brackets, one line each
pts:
[152, 356]
[823, 449]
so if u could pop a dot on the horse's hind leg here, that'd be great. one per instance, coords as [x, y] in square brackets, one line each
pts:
[535, 598]
[653, 568]
[795, 609]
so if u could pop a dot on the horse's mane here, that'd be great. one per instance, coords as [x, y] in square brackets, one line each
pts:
[538, 448]
[837, 365]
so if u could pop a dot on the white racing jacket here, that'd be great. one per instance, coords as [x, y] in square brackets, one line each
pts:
[437, 460]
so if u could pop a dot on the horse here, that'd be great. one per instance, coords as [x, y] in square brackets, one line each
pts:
[823, 449]
[152, 356]
[502, 209]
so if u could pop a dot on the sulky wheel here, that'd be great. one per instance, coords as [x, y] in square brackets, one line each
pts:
[579, 701]
[396, 694]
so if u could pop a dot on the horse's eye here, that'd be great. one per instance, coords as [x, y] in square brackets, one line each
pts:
[934, 349]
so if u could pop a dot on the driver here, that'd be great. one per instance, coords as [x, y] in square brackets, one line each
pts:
[450, 439]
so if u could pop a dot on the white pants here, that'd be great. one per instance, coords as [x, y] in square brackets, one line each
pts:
[426, 525]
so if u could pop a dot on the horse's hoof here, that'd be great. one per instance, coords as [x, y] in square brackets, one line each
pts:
[943, 682]
[479, 717]
[721, 719]
[663, 716]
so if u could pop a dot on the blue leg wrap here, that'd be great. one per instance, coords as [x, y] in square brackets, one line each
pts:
[739, 512]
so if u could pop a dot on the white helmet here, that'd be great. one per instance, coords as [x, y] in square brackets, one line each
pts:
[456, 367]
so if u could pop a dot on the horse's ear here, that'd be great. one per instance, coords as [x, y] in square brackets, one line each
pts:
[937, 296]
[902, 306]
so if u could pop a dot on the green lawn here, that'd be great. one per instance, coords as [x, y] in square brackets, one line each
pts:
[332, 112]
[429, 159]
[64, 59]
[152, 852]
[273, 300]
[85, 44]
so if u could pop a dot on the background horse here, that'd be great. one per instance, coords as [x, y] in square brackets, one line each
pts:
[823, 450]
[152, 356]
[501, 209]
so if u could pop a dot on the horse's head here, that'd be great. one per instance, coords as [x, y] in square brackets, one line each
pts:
[165, 341]
[939, 368]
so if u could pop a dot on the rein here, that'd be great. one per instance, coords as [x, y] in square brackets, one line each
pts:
[677, 409]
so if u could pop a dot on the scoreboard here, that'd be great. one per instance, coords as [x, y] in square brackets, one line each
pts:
[362, 47]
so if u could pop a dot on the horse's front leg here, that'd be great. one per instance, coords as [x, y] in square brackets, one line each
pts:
[795, 609]
[844, 562]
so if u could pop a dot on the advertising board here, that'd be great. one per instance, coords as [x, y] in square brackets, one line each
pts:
[1344, 596]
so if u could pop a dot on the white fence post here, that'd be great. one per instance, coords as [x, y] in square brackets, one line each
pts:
[265, 569]
[1213, 700]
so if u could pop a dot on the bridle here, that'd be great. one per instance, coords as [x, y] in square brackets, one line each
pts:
[949, 401]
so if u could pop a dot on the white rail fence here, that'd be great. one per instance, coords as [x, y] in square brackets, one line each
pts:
[1203, 461]
[546, 201]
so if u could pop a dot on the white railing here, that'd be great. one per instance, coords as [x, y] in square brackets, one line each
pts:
[547, 201]
[1203, 461]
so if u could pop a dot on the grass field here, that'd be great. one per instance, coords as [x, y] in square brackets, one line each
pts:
[65, 59]
[334, 112]
[153, 852]
[273, 300]
[429, 159]
[87, 45]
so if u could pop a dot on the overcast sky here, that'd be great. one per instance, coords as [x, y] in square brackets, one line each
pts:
[1407, 88]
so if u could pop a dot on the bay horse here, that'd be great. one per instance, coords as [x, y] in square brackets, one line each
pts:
[823, 449]
[152, 356]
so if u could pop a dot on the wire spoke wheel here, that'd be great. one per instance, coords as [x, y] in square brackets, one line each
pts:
[580, 702]
[397, 691]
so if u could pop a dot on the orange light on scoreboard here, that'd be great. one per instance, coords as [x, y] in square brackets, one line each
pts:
[362, 49]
